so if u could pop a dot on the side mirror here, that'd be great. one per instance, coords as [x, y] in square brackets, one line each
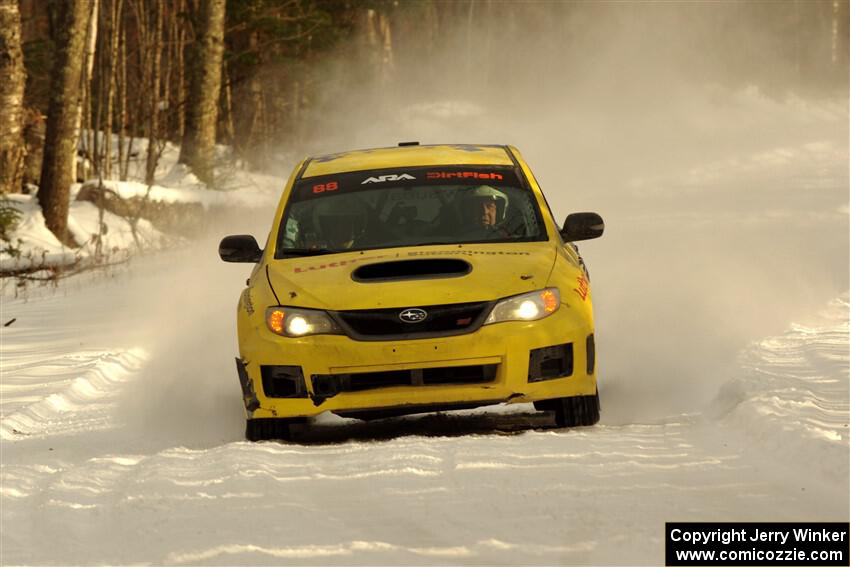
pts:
[582, 226]
[240, 248]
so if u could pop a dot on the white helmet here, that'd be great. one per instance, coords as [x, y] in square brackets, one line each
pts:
[486, 192]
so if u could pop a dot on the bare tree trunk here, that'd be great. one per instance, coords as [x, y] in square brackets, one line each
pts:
[83, 128]
[111, 79]
[380, 42]
[247, 98]
[143, 59]
[155, 49]
[295, 105]
[181, 72]
[122, 104]
[841, 38]
[198, 146]
[60, 138]
[84, 105]
[471, 28]
[227, 106]
[98, 95]
[11, 98]
[387, 58]
[167, 42]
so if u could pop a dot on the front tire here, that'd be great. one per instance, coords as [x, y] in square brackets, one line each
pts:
[265, 429]
[575, 411]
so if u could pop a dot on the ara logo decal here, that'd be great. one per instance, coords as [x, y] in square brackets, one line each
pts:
[389, 177]
[413, 315]
[583, 287]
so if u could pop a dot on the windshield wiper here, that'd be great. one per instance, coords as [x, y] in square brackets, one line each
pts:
[306, 251]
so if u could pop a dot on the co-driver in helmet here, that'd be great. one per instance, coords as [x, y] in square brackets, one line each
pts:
[482, 209]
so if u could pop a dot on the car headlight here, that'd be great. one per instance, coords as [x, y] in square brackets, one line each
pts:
[526, 307]
[295, 322]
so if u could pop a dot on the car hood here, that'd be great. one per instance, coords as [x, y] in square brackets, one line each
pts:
[492, 271]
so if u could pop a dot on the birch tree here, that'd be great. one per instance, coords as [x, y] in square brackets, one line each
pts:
[83, 127]
[11, 97]
[114, 24]
[155, 49]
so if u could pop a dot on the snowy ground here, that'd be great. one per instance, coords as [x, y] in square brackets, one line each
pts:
[112, 462]
[725, 380]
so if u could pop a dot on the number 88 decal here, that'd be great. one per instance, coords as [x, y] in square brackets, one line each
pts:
[322, 187]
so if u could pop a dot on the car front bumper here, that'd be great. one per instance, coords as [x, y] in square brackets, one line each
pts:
[329, 364]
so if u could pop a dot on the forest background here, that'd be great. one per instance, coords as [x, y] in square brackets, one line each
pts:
[271, 77]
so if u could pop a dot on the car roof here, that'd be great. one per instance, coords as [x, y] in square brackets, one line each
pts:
[407, 156]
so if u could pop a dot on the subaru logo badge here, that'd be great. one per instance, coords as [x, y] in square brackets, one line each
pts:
[413, 315]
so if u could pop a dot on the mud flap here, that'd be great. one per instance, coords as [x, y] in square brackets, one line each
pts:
[249, 396]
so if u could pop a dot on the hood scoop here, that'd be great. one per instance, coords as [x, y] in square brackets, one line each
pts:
[411, 270]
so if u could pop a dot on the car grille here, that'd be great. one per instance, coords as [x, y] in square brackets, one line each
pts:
[328, 385]
[441, 320]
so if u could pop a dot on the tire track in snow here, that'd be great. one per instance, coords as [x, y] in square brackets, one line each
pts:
[421, 490]
[797, 383]
[80, 387]
[415, 499]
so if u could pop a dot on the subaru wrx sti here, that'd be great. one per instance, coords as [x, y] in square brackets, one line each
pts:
[415, 279]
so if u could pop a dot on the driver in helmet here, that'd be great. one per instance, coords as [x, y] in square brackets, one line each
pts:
[483, 208]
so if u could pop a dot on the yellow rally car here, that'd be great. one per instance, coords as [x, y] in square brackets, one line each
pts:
[413, 279]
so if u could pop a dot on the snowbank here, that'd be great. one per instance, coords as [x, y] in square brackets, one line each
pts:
[109, 237]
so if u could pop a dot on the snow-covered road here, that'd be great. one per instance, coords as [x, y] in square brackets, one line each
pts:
[122, 444]
[723, 325]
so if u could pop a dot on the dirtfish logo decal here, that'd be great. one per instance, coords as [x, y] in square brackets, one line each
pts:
[389, 177]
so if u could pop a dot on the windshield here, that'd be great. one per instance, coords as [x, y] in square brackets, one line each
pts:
[415, 206]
